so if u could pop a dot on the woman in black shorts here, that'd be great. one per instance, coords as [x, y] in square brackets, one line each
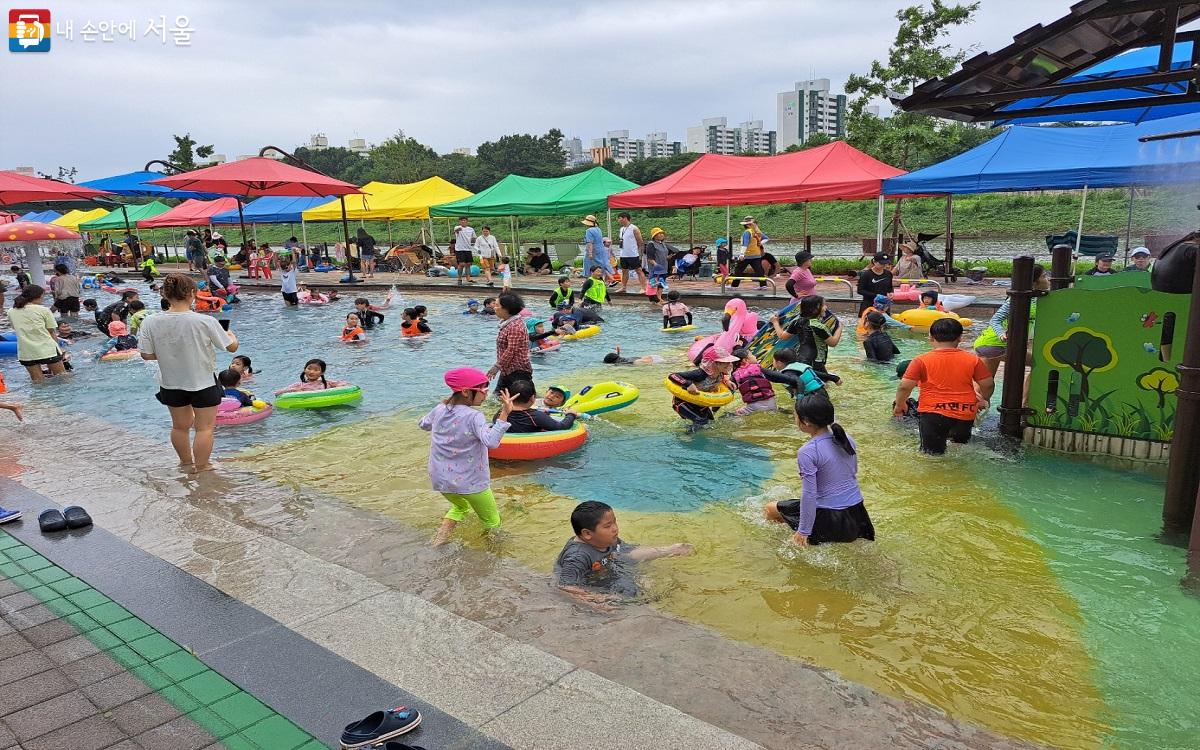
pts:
[184, 343]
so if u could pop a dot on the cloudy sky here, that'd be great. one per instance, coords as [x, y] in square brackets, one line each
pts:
[447, 73]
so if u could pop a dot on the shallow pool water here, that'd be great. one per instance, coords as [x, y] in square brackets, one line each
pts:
[1026, 593]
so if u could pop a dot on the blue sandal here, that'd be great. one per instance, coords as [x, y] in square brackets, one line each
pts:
[380, 727]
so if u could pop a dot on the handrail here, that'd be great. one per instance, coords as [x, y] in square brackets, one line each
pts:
[832, 279]
[768, 279]
[919, 282]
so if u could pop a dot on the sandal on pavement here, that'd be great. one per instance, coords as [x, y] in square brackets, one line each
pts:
[76, 517]
[51, 520]
[380, 727]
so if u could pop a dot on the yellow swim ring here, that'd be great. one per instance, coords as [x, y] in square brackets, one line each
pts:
[680, 329]
[582, 333]
[711, 399]
[923, 318]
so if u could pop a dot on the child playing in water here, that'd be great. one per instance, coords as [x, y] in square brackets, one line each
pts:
[352, 332]
[230, 380]
[815, 339]
[242, 365]
[753, 384]
[675, 313]
[830, 508]
[472, 307]
[119, 336]
[883, 306]
[458, 458]
[137, 313]
[66, 333]
[489, 306]
[596, 566]
[715, 367]
[566, 320]
[929, 301]
[554, 397]
[595, 290]
[562, 293]
[368, 316]
[799, 377]
[878, 346]
[524, 417]
[412, 324]
[312, 378]
[614, 358]
[539, 337]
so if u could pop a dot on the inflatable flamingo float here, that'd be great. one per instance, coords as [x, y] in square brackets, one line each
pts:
[740, 325]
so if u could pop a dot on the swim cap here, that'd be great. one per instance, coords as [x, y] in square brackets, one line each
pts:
[882, 300]
[461, 378]
[472, 302]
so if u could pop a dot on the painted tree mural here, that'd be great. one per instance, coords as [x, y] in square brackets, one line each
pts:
[1083, 350]
[1159, 381]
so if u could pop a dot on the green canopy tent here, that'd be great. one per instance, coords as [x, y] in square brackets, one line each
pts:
[116, 220]
[583, 193]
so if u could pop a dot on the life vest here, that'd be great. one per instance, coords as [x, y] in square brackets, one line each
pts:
[597, 292]
[809, 381]
[206, 302]
[351, 334]
[411, 328]
[862, 320]
[754, 246]
[559, 296]
[753, 385]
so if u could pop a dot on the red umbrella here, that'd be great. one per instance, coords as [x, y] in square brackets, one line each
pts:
[19, 188]
[34, 231]
[259, 176]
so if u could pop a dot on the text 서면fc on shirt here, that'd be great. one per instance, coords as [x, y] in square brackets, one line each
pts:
[185, 345]
[947, 379]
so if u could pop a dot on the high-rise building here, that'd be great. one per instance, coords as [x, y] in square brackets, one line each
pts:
[462, 151]
[807, 109]
[619, 147]
[318, 142]
[714, 136]
[359, 146]
[658, 146]
[573, 151]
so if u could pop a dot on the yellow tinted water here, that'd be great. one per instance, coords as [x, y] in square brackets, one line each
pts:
[953, 605]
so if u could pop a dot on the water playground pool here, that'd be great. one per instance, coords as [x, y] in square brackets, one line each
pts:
[1023, 593]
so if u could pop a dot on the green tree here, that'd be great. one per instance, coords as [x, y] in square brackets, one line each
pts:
[1083, 351]
[919, 53]
[1159, 381]
[645, 171]
[186, 151]
[337, 161]
[816, 139]
[401, 159]
[529, 155]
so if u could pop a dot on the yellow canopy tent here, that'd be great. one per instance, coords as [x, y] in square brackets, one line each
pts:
[72, 219]
[387, 201]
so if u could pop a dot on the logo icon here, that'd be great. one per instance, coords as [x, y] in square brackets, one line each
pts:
[29, 30]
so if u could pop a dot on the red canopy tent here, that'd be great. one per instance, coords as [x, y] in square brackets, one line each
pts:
[834, 172]
[6, 217]
[190, 213]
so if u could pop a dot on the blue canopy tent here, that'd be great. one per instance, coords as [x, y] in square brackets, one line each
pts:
[275, 209]
[43, 216]
[138, 184]
[1137, 62]
[1027, 157]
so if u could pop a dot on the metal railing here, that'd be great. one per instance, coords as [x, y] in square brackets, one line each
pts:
[766, 279]
[836, 279]
[921, 282]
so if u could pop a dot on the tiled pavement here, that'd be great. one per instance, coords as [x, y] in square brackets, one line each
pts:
[80, 672]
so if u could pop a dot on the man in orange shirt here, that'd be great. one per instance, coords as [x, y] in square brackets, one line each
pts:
[955, 384]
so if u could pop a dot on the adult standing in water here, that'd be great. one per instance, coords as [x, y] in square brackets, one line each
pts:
[872, 280]
[752, 252]
[35, 328]
[630, 252]
[184, 343]
[512, 343]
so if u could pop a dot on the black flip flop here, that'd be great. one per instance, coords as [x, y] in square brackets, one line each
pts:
[51, 520]
[76, 517]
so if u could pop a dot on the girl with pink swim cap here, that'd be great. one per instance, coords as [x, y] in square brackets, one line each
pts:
[458, 451]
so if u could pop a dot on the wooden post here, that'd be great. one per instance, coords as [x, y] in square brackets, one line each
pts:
[1060, 267]
[1183, 471]
[1020, 300]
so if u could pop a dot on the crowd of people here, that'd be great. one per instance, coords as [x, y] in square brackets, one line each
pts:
[955, 383]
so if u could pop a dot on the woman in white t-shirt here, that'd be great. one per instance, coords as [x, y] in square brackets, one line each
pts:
[184, 343]
[35, 327]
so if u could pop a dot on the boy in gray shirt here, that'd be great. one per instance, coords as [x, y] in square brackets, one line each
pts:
[596, 565]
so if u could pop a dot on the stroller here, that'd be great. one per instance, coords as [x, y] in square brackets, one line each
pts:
[929, 263]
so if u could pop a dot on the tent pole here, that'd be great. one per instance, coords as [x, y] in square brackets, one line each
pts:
[1079, 231]
[346, 234]
[1129, 225]
[389, 231]
[879, 224]
[691, 227]
[241, 220]
[728, 224]
[610, 223]
[304, 233]
[807, 242]
[517, 244]
[254, 231]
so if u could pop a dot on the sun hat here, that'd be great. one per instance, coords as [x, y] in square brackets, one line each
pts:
[463, 378]
[656, 231]
[882, 300]
[747, 220]
[721, 241]
[1139, 251]
[531, 323]
[590, 220]
[717, 354]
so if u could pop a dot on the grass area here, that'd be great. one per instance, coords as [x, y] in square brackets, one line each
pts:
[1000, 215]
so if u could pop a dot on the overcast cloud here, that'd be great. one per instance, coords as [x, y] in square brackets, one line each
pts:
[449, 74]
